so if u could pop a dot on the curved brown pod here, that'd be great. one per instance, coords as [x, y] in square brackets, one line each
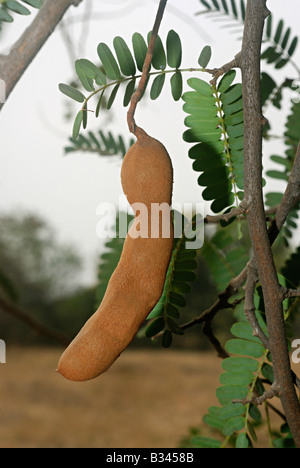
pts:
[137, 283]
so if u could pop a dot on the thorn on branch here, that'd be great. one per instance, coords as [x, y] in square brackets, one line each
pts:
[264, 121]
[266, 12]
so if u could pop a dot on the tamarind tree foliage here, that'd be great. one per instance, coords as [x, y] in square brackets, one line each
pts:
[213, 114]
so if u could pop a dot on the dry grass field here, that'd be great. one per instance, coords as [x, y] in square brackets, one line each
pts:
[148, 399]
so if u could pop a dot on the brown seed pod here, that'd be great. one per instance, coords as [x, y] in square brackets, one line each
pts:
[137, 283]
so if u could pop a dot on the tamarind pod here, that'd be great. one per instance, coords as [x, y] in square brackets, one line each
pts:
[137, 283]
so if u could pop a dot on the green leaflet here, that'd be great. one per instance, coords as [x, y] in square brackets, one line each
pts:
[159, 59]
[6, 17]
[176, 85]
[215, 123]
[17, 7]
[130, 89]
[109, 62]
[244, 348]
[33, 3]
[234, 364]
[157, 86]
[77, 124]
[205, 56]
[113, 96]
[125, 58]
[174, 50]
[140, 50]
[71, 92]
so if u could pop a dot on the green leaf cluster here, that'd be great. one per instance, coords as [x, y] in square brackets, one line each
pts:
[291, 269]
[224, 258]
[180, 276]
[285, 164]
[101, 143]
[282, 43]
[240, 380]
[109, 259]
[228, 7]
[8, 7]
[121, 65]
[215, 124]
[272, 93]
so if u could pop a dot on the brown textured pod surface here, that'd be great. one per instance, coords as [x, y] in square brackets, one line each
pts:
[137, 283]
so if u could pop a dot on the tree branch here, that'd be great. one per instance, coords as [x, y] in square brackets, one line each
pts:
[13, 65]
[250, 306]
[291, 293]
[143, 81]
[271, 393]
[256, 13]
[217, 72]
[240, 210]
[32, 323]
[207, 316]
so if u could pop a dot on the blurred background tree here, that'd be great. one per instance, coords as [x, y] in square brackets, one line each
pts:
[36, 271]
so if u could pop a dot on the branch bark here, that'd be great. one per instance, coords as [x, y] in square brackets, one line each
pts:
[13, 65]
[256, 13]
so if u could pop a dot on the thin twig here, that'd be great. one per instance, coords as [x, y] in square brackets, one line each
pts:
[207, 316]
[33, 323]
[250, 308]
[240, 210]
[217, 72]
[291, 293]
[143, 81]
[268, 394]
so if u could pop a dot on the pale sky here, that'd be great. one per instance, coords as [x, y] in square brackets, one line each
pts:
[34, 173]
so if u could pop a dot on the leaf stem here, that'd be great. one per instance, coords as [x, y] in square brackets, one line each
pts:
[125, 80]
[136, 97]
